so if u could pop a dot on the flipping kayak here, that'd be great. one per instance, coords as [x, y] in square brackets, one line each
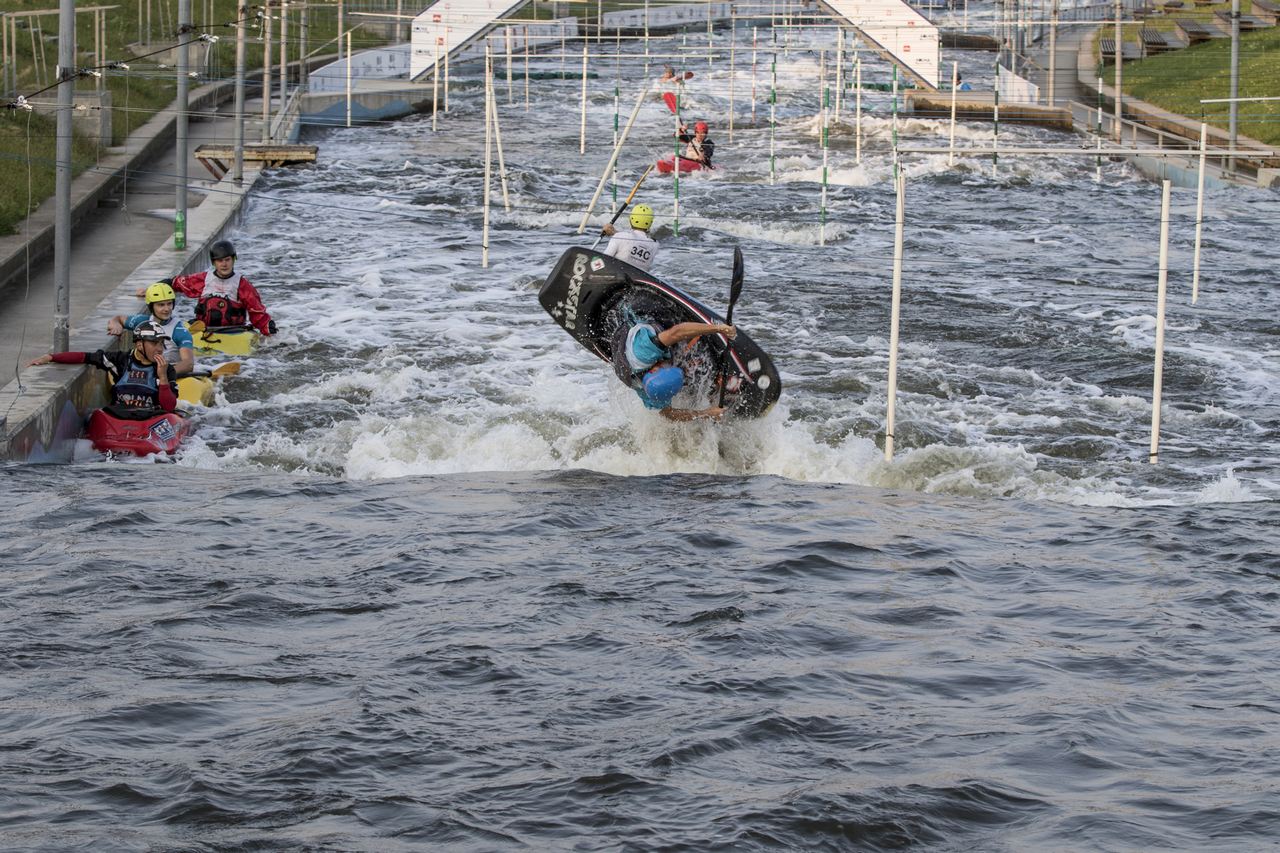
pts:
[141, 432]
[686, 165]
[230, 340]
[589, 294]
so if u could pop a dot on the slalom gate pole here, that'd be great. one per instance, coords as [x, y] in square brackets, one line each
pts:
[604, 178]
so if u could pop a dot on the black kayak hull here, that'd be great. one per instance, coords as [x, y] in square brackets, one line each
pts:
[589, 294]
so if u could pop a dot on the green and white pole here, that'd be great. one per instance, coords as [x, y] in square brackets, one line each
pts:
[895, 122]
[615, 142]
[1098, 164]
[675, 174]
[733, 39]
[826, 106]
[857, 110]
[773, 123]
[754, 37]
[839, 69]
[995, 123]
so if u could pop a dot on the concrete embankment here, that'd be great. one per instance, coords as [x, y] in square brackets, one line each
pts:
[42, 410]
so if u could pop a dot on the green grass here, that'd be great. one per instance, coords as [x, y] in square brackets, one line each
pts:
[1178, 80]
[137, 94]
[26, 164]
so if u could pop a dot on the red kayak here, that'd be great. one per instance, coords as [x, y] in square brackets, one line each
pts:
[686, 165]
[158, 433]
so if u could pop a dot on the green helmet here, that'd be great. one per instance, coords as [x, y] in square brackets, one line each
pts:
[641, 217]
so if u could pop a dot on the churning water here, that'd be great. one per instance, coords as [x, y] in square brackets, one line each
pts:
[428, 575]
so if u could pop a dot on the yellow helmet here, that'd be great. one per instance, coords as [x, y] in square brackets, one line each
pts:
[641, 217]
[160, 292]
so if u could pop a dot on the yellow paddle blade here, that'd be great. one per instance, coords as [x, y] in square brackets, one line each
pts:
[231, 368]
[195, 326]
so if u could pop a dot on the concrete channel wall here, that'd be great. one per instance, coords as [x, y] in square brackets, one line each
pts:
[44, 412]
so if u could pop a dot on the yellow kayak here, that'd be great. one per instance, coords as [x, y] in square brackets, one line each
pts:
[229, 340]
[196, 389]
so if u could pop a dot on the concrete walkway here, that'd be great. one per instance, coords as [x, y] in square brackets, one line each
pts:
[127, 226]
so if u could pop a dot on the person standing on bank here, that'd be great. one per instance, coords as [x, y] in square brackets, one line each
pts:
[160, 307]
[642, 359]
[140, 378]
[224, 297]
[634, 245]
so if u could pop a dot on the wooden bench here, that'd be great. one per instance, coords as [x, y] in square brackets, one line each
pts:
[1153, 41]
[217, 158]
[1265, 10]
[1248, 23]
[1193, 31]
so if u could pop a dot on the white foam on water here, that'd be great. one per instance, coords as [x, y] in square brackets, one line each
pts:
[400, 355]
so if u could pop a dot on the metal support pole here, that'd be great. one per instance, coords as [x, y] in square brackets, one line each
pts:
[266, 73]
[182, 155]
[1119, 58]
[1053, 51]
[304, 27]
[62, 178]
[284, 54]
[242, 15]
[1233, 114]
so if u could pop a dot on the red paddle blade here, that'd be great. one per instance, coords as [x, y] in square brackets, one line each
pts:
[670, 98]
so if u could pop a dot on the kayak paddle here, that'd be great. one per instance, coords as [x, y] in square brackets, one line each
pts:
[735, 290]
[624, 204]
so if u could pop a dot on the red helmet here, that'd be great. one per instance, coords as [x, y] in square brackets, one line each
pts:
[700, 127]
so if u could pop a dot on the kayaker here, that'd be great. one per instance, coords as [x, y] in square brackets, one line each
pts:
[699, 148]
[633, 245]
[642, 360]
[160, 304]
[140, 378]
[224, 298]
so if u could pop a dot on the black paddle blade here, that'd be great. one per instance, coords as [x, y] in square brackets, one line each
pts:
[735, 286]
[735, 290]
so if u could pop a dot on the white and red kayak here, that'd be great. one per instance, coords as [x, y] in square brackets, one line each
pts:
[160, 432]
[667, 165]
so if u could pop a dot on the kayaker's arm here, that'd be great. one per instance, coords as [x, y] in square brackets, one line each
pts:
[257, 312]
[60, 358]
[712, 413]
[681, 332]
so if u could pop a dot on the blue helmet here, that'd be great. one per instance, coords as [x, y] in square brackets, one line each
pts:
[663, 384]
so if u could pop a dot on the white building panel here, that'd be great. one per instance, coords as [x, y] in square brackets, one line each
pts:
[903, 35]
[450, 24]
